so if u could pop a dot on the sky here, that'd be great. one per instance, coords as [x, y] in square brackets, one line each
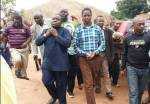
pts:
[104, 5]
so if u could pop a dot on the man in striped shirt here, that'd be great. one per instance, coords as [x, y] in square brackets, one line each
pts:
[19, 37]
[90, 45]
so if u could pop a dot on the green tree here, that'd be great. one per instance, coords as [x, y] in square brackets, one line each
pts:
[130, 8]
[7, 4]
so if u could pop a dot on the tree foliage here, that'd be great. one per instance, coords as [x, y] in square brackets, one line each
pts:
[5, 4]
[130, 8]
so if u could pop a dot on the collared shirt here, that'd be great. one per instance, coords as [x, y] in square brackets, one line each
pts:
[36, 31]
[17, 36]
[89, 39]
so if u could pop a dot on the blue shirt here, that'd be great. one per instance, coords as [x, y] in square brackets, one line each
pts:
[89, 39]
[55, 52]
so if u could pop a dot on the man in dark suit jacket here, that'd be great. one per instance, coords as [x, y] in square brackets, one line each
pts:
[107, 58]
[55, 64]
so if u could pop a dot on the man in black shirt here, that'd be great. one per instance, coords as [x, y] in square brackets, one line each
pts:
[136, 60]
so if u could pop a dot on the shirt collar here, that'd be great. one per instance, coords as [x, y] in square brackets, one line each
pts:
[91, 26]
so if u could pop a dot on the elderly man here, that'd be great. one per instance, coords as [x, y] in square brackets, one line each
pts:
[19, 37]
[36, 31]
[55, 64]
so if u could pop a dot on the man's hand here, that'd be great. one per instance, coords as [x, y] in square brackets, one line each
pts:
[48, 33]
[51, 32]
[54, 32]
[24, 45]
[90, 56]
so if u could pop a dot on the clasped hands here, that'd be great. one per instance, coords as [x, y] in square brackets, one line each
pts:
[51, 32]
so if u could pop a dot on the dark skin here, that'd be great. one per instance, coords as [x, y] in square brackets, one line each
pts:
[99, 21]
[56, 23]
[138, 27]
[39, 20]
[116, 26]
[64, 15]
[86, 18]
[18, 24]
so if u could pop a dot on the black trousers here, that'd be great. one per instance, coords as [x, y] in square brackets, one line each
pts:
[55, 82]
[115, 70]
[73, 72]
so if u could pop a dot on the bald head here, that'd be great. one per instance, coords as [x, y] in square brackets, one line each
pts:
[56, 21]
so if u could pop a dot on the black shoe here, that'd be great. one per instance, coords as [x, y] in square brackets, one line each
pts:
[97, 89]
[52, 101]
[109, 95]
[70, 94]
[18, 73]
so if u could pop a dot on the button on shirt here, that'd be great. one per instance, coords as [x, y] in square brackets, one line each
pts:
[89, 39]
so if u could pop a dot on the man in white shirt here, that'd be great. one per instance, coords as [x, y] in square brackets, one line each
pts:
[36, 30]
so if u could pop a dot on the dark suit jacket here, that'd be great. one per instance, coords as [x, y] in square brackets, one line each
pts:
[55, 50]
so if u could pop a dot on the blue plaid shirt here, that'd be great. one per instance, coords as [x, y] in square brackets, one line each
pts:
[89, 39]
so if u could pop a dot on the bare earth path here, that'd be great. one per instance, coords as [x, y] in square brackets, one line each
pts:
[33, 91]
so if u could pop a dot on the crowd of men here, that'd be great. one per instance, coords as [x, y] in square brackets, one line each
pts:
[87, 50]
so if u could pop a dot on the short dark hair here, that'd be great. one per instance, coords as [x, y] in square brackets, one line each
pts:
[99, 16]
[87, 9]
[38, 15]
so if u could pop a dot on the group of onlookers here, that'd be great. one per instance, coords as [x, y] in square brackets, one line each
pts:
[86, 49]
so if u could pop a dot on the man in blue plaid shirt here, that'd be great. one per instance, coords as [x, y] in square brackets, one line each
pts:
[89, 39]
[90, 46]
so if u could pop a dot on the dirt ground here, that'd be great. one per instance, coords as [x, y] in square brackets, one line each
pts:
[33, 91]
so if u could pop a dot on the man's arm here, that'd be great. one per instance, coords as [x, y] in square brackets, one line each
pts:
[41, 39]
[124, 55]
[76, 44]
[64, 39]
[29, 38]
[102, 46]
